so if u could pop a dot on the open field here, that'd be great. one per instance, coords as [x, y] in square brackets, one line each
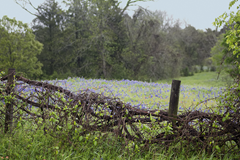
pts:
[206, 79]
[194, 90]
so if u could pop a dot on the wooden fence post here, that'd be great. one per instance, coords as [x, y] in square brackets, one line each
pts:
[174, 99]
[9, 106]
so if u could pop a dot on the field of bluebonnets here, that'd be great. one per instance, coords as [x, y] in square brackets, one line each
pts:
[144, 94]
[154, 95]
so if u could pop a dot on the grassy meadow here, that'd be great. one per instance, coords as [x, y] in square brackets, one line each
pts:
[197, 92]
[207, 79]
[27, 143]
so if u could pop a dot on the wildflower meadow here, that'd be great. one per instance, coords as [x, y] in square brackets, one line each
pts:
[145, 94]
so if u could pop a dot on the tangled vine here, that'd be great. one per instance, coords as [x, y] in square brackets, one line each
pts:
[63, 113]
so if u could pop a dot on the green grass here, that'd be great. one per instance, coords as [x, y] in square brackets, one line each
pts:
[34, 145]
[207, 79]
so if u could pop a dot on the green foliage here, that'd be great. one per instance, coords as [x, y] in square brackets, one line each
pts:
[230, 98]
[217, 51]
[48, 30]
[18, 48]
[97, 39]
[232, 36]
[185, 72]
[219, 55]
[2, 95]
[108, 30]
[213, 69]
[35, 145]
[223, 57]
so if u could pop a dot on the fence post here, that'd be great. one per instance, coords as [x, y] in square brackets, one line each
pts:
[174, 98]
[9, 106]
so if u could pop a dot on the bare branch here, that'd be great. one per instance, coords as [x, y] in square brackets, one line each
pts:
[23, 6]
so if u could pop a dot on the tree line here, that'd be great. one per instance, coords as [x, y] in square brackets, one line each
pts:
[98, 39]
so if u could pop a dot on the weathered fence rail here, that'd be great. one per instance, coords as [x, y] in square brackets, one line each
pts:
[89, 111]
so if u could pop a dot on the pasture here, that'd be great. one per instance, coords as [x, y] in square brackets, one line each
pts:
[196, 92]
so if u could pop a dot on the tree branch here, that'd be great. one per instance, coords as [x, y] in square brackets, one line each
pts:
[23, 7]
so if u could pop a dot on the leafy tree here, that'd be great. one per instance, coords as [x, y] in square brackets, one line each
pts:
[231, 39]
[217, 51]
[230, 100]
[153, 50]
[18, 48]
[81, 38]
[108, 31]
[197, 46]
[100, 37]
[77, 32]
[222, 56]
[47, 27]
[92, 37]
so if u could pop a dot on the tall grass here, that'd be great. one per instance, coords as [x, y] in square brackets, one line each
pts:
[31, 145]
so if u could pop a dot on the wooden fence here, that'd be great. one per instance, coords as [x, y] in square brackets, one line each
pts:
[142, 125]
